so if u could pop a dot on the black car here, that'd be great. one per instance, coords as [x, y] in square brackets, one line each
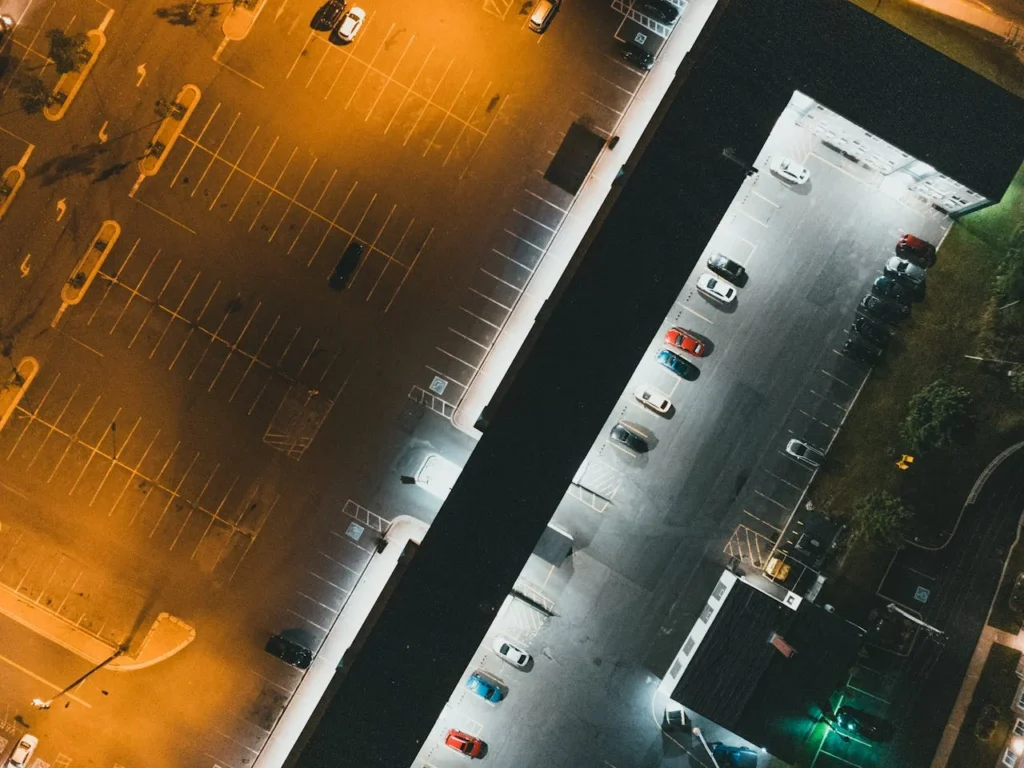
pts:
[628, 436]
[289, 651]
[884, 309]
[346, 266]
[727, 268]
[875, 332]
[888, 288]
[636, 56]
[857, 722]
[659, 10]
[329, 14]
[861, 349]
[733, 757]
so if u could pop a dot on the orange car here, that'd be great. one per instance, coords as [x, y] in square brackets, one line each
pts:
[681, 339]
[464, 743]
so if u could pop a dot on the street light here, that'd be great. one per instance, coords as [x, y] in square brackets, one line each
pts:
[45, 704]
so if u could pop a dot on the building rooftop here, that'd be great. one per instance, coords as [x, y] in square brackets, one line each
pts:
[765, 671]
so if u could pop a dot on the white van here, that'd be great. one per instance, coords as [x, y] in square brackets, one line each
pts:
[542, 14]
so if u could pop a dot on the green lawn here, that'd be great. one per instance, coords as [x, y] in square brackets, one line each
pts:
[996, 687]
[945, 327]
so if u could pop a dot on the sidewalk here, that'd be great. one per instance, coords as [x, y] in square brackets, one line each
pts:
[582, 213]
[301, 710]
[989, 636]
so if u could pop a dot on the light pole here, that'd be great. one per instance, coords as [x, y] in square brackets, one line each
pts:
[45, 704]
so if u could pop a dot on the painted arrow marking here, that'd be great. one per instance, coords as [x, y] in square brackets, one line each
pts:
[62, 206]
[141, 70]
[103, 133]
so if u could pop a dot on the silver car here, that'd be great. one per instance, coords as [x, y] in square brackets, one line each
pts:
[804, 453]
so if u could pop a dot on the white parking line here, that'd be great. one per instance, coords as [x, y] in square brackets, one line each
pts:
[498, 279]
[523, 239]
[471, 341]
[410, 89]
[369, 66]
[530, 218]
[517, 263]
[546, 201]
[698, 314]
[482, 320]
[390, 78]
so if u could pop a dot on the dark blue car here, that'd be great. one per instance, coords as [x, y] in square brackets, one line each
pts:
[675, 363]
[734, 757]
[484, 688]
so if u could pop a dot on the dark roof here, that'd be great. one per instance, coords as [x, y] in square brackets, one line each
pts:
[649, 239]
[739, 680]
[874, 75]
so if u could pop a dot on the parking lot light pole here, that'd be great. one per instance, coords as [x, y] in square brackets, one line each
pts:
[45, 704]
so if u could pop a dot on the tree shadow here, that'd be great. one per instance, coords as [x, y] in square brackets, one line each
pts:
[187, 14]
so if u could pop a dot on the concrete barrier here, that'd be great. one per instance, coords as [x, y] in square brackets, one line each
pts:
[11, 181]
[13, 388]
[85, 271]
[169, 130]
[70, 82]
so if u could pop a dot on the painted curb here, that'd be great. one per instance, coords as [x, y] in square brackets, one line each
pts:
[170, 129]
[97, 40]
[90, 262]
[13, 177]
[27, 369]
[187, 632]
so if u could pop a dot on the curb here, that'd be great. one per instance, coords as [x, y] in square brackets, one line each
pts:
[13, 177]
[10, 395]
[140, 661]
[169, 130]
[96, 41]
[971, 498]
[85, 271]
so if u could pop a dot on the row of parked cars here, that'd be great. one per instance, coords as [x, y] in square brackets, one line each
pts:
[678, 341]
[893, 293]
[483, 686]
[341, 22]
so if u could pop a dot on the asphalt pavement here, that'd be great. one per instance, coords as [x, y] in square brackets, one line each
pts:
[214, 429]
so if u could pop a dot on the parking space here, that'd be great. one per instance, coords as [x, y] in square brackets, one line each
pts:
[237, 348]
[516, 622]
[286, 197]
[57, 583]
[321, 592]
[401, 85]
[153, 490]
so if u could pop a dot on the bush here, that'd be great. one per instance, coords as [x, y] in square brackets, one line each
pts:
[939, 417]
[882, 517]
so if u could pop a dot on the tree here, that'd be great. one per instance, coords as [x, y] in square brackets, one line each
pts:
[1010, 276]
[32, 93]
[881, 517]
[938, 418]
[68, 52]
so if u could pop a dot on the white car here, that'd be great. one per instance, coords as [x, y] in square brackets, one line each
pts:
[511, 653]
[805, 453]
[650, 397]
[23, 752]
[716, 288]
[788, 170]
[350, 24]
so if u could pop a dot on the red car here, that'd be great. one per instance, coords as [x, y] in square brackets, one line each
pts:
[680, 339]
[916, 250]
[464, 743]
